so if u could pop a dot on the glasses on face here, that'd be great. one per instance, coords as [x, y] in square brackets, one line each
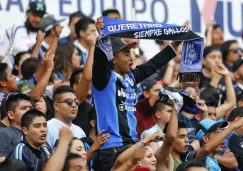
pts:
[236, 50]
[70, 101]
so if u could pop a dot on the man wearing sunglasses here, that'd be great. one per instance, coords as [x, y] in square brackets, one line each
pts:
[231, 51]
[65, 105]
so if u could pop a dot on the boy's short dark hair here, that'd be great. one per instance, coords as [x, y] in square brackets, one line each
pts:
[29, 116]
[191, 163]
[181, 124]
[74, 79]
[13, 100]
[215, 26]
[158, 106]
[61, 90]
[29, 67]
[210, 95]
[109, 11]
[69, 157]
[76, 14]
[83, 24]
[236, 112]
[210, 49]
[17, 58]
[3, 74]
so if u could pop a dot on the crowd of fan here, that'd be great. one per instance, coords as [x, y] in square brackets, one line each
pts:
[64, 106]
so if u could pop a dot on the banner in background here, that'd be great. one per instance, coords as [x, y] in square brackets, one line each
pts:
[229, 14]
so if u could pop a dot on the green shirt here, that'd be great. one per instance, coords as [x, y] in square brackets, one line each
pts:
[176, 164]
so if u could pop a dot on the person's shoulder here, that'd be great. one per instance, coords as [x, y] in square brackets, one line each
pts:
[78, 130]
[76, 127]
[7, 130]
[191, 155]
[4, 131]
[235, 138]
[18, 27]
[52, 122]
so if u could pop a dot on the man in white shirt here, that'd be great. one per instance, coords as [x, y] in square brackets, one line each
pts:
[21, 37]
[84, 28]
[66, 107]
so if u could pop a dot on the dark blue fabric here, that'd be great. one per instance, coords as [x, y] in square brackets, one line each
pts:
[115, 109]
[34, 159]
[191, 124]
[65, 40]
[60, 75]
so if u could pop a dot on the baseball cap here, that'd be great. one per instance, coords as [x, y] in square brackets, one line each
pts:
[37, 6]
[237, 64]
[208, 125]
[119, 44]
[148, 83]
[25, 87]
[48, 23]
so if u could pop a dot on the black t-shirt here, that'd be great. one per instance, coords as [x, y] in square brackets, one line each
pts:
[236, 146]
[85, 112]
[33, 158]
[8, 138]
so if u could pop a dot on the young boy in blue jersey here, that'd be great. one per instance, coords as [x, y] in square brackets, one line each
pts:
[113, 89]
[211, 135]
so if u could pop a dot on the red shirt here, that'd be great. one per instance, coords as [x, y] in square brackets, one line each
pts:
[145, 116]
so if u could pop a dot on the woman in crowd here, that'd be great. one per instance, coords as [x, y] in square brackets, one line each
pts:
[66, 60]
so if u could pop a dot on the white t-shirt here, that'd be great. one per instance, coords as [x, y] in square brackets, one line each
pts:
[152, 130]
[15, 40]
[54, 127]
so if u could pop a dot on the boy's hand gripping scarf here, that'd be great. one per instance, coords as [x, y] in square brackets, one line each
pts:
[192, 51]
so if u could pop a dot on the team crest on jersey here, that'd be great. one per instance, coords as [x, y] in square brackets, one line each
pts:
[121, 107]
[130, 81]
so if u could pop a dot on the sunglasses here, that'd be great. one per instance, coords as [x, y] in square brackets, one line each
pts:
[70, 101]
[235, 50]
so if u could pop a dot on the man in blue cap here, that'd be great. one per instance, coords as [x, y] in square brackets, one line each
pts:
[211, 135]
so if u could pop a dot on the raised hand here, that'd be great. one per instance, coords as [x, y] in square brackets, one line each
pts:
[155, 137]
[187, 23]
[48, 60]
[228, 154]
[221, 69]
[40, 37]
[65, 134]
[99, 24]
[91, 40]
[100, 140]
[202, 106]
[237, 123]
[210, 25]
[58, 30]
